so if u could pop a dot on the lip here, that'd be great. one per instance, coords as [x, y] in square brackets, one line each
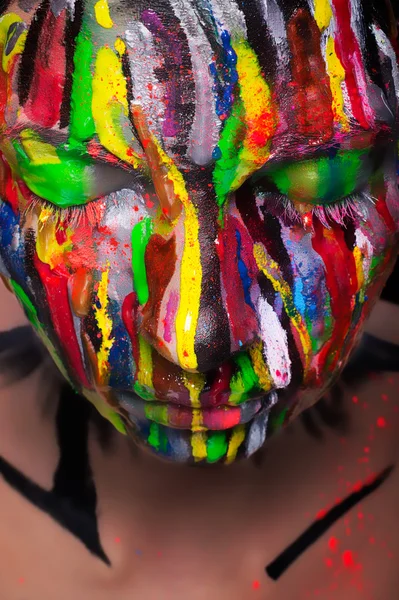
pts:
[208, 399]
[179, 416]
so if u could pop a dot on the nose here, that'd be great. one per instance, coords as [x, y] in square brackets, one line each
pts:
[200, 309]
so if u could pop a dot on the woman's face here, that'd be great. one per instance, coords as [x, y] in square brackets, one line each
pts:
[199, 203]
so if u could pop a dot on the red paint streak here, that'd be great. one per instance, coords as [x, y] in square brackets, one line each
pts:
[129, 317]
[55, 283]
[220, 384]
[45, 97]
[60, 233]
[385, 215]
[349, 53]
[160, 261]
[242, 318]
[8, 187]
[311, 84]
[342, 285]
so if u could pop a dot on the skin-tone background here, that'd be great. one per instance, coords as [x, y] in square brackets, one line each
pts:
[174, 533]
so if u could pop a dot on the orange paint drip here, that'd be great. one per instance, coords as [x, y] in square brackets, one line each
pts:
[164, 186]
[81, 290]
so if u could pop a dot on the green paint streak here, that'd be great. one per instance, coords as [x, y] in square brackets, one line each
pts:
[242, 382]
[142, 391]
[229, 146]
[31, 313]
[322, 181]
[216, 445]
[155, 412]
[153, 438]
[278, 421]
[140, 236]
[64, 184]
[158, 438]
[81, 126]
[30, 310]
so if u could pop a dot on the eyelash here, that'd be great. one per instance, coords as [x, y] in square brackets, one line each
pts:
[75, 216]
[354, 206]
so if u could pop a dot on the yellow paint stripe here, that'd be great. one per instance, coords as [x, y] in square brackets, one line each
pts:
[194, 382]
[337, 77]
[104, 322]
[236, 439]
[101, 10]
[171, 189]
[145, 367]
[109, 105]
[48, 249]
[322, 13]
[358, 256]
[5, 23]
[260, 113]
[260, 367]
[271, 270]
[198, 445]
[38, 152]
[190, 271]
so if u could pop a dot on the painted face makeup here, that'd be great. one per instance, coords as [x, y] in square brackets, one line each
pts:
[199, 203]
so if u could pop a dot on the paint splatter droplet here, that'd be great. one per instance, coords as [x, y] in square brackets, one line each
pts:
[255, 585]
[333, 544]
[347, 559]
[381, 422]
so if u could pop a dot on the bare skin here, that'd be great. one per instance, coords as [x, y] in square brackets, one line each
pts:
[177, 532]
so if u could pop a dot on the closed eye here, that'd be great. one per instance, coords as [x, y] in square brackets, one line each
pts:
[332, 187]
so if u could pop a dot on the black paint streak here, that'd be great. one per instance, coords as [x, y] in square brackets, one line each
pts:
[73, 499]
[27, 69]
[72, 29]
[278, 567]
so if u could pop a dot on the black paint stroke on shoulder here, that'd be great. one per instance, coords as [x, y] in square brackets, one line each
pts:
[72, 501]
[311, 535]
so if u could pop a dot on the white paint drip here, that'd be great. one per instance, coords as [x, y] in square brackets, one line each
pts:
[386, 48]
[367, 251]
[275, 342]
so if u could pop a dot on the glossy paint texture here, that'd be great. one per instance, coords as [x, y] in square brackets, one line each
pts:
[199, 203]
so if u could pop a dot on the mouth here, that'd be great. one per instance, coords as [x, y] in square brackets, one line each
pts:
[194, 419]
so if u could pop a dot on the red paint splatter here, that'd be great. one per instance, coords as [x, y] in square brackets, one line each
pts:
[255, 585]
[347, 559]
[329, 562]
[333, 544]
[381, 422]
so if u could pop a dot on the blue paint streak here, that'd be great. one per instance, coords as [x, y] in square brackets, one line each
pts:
[242, 269]
[225, 80]
[120, 356]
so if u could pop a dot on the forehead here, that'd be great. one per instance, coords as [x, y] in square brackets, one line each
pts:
[209, 78]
